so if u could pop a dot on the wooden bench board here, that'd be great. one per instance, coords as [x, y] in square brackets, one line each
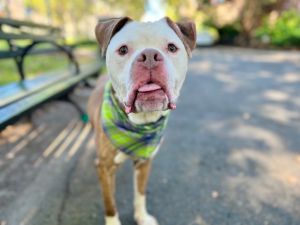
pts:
[12, 92]
[20, 23]
[11, 54]
[12, 36]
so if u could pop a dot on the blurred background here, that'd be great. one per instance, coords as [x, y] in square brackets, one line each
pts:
[231, 153]
[248, 23]
[241, 22]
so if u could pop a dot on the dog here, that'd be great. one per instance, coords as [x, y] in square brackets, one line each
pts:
[146, 64]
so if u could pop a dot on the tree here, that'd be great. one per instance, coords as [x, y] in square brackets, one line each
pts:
[133, 8]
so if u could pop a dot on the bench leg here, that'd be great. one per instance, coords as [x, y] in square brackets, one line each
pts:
[82, 113]
[87, 84]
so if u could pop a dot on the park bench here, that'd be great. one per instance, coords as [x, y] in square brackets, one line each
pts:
[23, 96]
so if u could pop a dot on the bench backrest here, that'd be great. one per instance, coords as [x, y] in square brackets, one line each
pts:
[12, 31]
[21, 30]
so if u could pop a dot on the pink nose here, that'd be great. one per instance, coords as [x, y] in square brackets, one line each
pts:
[149, 58]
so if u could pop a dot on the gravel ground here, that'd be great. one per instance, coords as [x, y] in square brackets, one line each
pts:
[231, 154]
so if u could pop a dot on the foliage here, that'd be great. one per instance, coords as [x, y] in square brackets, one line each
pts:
[204, 23]
[178, 10]
[134, 8]
[59, 10]
[285, 31]
[231, 17]
[229, 33]
[74, 16]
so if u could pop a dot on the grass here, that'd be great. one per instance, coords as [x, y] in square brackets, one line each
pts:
[38, 64]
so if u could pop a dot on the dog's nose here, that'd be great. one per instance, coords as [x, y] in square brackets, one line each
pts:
[150, 58]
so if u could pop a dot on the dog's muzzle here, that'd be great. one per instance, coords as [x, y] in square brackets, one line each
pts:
[149, 89]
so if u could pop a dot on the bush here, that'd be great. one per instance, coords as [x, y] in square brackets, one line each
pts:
[228, 34]
[284, 32]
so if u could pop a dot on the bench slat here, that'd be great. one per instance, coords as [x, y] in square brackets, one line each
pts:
[19, 23]
[12, 92]
[10, 54]
[13, 36]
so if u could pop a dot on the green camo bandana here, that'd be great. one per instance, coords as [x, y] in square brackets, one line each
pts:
[137, 141]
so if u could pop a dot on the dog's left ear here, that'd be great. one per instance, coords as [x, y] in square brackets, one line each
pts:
[186, 31]
[107, 28]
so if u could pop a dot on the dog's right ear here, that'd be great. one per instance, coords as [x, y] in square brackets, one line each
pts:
[107, 28]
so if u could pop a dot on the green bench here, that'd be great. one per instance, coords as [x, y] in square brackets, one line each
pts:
[25, 95]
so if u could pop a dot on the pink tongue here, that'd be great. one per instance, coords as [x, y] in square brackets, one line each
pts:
[149, 87]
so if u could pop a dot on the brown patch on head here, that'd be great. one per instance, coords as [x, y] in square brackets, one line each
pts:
[186, 31]
[107, 28]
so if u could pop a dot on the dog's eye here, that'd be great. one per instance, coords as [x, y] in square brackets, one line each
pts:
[123, 50]
[172, 48]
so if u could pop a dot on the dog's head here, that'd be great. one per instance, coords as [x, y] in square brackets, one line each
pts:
[147, 62]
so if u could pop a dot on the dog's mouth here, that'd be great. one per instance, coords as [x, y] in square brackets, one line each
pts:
[149, 97]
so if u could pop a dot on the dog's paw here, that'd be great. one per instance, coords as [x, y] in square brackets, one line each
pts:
[146, 220]
[112, 220]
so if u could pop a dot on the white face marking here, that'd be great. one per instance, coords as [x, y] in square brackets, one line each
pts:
[138, 37]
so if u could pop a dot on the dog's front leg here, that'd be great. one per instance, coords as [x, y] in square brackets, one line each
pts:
[106, 173]
[141, 174]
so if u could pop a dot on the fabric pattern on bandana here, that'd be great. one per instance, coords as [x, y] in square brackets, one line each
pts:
[137, 141]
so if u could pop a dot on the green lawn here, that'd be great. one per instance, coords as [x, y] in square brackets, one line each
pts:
[38, 64]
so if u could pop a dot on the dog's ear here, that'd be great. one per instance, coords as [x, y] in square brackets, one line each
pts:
[186, 31]
[107, 28]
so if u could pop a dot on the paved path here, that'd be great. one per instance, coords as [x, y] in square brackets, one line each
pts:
[231, 155]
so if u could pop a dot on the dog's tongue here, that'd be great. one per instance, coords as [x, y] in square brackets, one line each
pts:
[149, 87]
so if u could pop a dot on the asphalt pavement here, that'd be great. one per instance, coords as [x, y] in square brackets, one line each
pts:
[231, 154]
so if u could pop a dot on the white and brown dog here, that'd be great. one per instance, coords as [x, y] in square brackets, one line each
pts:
[147, 65]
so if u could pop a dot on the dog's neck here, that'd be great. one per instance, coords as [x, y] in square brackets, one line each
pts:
[146, 117]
